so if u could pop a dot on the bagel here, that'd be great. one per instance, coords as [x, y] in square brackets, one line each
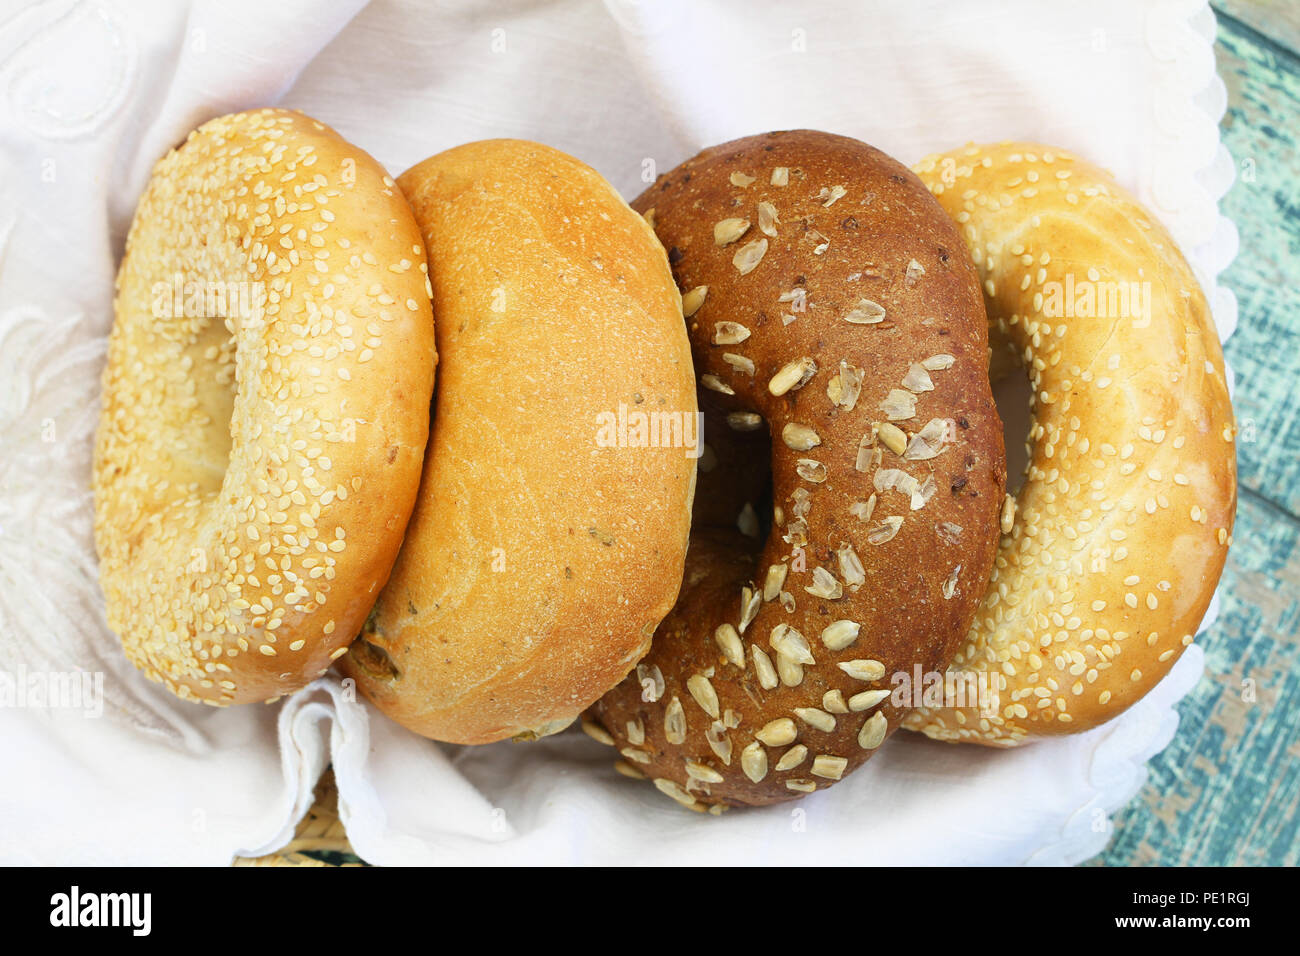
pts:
[546, 545]
[832, 311]
[265, 407]
[1115, 540]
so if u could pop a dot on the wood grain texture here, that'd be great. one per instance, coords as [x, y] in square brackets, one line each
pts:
[1227, 789]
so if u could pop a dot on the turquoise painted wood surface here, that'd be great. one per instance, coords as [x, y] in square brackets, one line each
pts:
[1227, 790]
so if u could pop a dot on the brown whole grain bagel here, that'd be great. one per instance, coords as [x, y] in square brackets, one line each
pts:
[265, 407]
[1121, 527]
[829, 302]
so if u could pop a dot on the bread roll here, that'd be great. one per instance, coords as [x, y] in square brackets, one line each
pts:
[550, 532]
[1115, 540]
[263, 420]
[831, 305]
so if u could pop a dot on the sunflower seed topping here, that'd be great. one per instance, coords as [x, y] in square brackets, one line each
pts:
[899, 405]
[718, 741]
[840, 634]
[829, 196]
[892, 437]
[715, 384]
[832, 768]
[865, 445]
[778, 733]
[867, 699]
[810, 469]
[627, 770]
[702, 772]
[1008, 517]
[729, 643]
[750, 601]
[950, 585]
[729, 230]
[787, 642]
[825, 585]
[937, 363]
[921, 497]
[863, 669]
[793, 375]
[790, 671]
[741, 179]
[929, 441]
[744, 421]
[801, 786]
[740, 363]
[885, 531]
[845, 386]
[635, 732]
[816, 717]
[729, 333]
[670, 788]
[775, 581]
[763, 669]
[702, 690]
[862, 509]
[651, 680]
[833, 702]
[780, 176]
[866, 312]
[873, 731]
[753, 760]
[597, 733]
[675, 722]
[800, 437]
[768, 219]
[749, 255]
[639, 756]
[693, 299]
[747, 521]
[917, 379]
[851, 569]
[792, 758]
[914, 271]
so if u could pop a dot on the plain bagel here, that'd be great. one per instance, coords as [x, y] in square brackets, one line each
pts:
[831, 305]
[550, 533]
[264, 412]
[1114, 543]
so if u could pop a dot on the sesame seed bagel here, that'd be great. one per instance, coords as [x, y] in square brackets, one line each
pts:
[550, 533]
[265, 407]
[1115, 540]
[831, 304]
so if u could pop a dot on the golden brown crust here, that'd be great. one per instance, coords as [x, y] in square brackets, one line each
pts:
[237, 561]
[888, 288]
[540, 559]
[1125, 516]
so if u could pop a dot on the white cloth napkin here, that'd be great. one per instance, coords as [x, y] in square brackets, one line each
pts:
[93, 92]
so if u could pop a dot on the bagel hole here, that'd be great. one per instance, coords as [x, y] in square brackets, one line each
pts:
[213, 352]
[1013, 393]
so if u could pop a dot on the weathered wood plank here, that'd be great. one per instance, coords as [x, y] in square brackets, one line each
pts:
[1279, 20]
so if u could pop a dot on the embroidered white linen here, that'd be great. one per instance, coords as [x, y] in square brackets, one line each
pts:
[93, 92]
